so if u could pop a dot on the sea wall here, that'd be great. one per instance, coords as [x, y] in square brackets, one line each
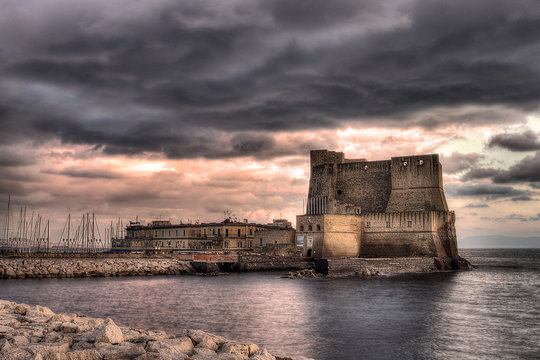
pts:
[88, 267]
[35, 332]
[388, 266]
[271, 263]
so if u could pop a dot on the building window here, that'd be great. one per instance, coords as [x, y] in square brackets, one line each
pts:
[318, 227]
[261, 241]
[368, 224]
[250, 231]
[204, 232]
[388, 224]
[339, 192]
[310, 228]
[239, 243]
[184, 232]
[169, 232]
[176, 245]
[169, 244]
[226, 242]
[238, 232]
[156, 233]
[409, 223]
[226, 232]
[301, 227]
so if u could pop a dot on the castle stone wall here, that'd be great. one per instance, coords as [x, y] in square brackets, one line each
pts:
[367, 184]
[412, 233]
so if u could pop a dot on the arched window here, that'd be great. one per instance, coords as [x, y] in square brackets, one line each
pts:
[318, 227]
[310, 228]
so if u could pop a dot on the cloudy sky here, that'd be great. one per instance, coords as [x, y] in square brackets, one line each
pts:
[185, 109]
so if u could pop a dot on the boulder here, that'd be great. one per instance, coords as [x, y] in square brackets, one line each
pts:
[47, 350]
[4, 345]
[108, 332]
[82, 345]
[208, 344]
[235, 348]
[18, 354]
[182, 345]
[19, 340]
[197, 336]
[88, 354]
[262, 354]
[123, 351]
[70, 328]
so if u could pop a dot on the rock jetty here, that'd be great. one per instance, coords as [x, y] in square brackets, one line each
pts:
[36, 333]
[45, 268]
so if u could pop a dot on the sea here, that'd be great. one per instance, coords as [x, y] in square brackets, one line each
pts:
[491, 312]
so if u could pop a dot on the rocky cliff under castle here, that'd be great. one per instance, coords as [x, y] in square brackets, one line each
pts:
[390, 208]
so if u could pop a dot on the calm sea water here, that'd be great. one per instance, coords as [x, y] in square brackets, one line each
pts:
[492, 312]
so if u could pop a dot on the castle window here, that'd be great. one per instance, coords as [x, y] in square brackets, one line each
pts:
[368, 224]
[339, 192]
[388, 224]
[409, 223]
[318, 227]
[301, 227]
[310, 228]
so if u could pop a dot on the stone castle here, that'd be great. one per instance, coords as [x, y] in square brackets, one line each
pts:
[390, 208]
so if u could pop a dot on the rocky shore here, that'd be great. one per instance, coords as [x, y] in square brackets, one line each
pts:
[80, 267]
[36, 333]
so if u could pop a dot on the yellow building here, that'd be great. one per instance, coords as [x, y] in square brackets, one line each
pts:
[162, 236]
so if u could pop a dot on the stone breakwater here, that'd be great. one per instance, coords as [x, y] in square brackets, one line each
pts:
[36, 333]
[43, 268]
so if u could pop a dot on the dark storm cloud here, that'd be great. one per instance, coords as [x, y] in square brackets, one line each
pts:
[457, 161]
[474, 206]
[488, 191]
[480, 173]
[526, 141]
[188, 79]
[86, 173]
[526, 170]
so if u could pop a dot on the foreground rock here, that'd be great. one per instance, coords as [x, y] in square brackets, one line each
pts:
[36, 333]
[44, 268]
[309, 273]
